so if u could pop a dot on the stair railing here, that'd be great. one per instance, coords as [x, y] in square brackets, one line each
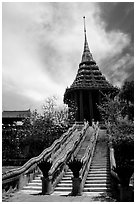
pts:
[112, 162]
[58, 165]
[17, 178]
[83, 131]
[80, 166]
[87, 158]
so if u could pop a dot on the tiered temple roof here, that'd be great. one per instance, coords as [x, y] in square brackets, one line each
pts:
[16, 114]
[89, 76]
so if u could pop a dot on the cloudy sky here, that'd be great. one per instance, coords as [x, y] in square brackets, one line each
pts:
[42, 45]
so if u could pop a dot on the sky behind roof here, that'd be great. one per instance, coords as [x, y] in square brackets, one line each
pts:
[42, 46]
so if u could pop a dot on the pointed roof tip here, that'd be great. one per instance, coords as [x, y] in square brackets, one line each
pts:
[87, 56]
[84, 25]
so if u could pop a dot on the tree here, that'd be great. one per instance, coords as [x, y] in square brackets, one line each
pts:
[46, 127]
[121, 131]
[127, 92]
[126, 97]
[37, 133]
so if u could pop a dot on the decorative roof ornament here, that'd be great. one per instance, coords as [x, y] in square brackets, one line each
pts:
[89, 77]
[87, 56]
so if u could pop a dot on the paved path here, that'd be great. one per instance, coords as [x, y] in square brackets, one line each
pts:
[20, 197]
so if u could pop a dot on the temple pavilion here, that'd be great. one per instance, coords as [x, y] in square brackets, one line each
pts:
[88, 87]
[10, 117]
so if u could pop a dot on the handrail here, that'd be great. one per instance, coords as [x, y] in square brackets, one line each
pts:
[68, 151]
[87, 157]
[80, 164]
[35, 160]
[64, 153]
[113, 164]
[112, 159]
[83, 131]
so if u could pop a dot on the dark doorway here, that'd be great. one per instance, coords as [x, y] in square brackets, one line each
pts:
[86, 109]
[95, 99]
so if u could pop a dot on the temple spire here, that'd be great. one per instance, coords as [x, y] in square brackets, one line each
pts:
[84, 25]
[87, 56]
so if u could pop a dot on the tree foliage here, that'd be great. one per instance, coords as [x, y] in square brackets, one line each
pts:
[120, 126]
[126, 97]
[127, 92]
[37, 133]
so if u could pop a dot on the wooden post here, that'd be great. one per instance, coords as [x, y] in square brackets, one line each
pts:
[77, 111]
[81, 106]
[90, 107]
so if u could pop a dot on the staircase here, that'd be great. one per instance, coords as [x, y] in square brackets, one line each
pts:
[34, 187]
[64, 187]
[98, 179]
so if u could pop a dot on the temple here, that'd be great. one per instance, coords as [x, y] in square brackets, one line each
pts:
[87, 88]
[10, 117]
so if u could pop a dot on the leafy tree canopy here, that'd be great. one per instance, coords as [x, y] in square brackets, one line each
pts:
[127, 92]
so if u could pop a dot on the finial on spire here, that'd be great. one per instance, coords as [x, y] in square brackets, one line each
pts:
[84, 24]
[87, 56]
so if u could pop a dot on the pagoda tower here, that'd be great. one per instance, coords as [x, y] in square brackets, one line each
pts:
[87, 87]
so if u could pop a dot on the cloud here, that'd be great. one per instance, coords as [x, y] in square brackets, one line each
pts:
[43, 45]
[119, 71]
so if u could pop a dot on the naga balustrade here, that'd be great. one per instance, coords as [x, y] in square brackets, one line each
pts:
[15, 179]
[113, 165]
[58, 166]
[80, 164]
[87, 158]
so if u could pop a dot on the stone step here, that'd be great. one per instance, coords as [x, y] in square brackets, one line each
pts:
[69, 173]
[63, 189]
[38, 177]
[98, 172]
[61, 193]
[93, 194]
[66, 178]
[102, 189]
[95, 175]
[66, 181]
[100, 164]
[90, 185]
[99, 159]
[37, 181]
[99, 168]
[31, 191]
[96, 181]
[98, 178]
[32, 187]
[64, 185]
[34, 184]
